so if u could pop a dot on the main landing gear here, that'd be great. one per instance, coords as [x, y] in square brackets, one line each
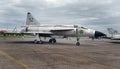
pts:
[52, 40]
[38, 40]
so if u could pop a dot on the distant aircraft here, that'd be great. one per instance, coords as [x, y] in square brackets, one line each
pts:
[113, 34]
[33, 27]
[3, 31]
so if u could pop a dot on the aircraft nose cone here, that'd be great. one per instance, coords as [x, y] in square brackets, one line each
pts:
[99, 34]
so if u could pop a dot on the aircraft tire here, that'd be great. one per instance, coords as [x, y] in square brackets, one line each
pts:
[40, 42]
[35, 41]
[52, 41]
[78, 44]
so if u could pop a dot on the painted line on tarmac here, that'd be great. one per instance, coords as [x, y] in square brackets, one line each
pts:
[15, 60]
[75, 58]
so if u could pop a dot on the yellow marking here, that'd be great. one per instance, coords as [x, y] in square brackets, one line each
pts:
[15, 60]
[75, 58]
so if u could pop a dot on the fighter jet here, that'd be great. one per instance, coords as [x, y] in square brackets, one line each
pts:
[33, 27]
[113, 34]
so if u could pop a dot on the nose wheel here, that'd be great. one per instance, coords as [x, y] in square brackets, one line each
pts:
[77, 43]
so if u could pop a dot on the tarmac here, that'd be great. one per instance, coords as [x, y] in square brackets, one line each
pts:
[91, 54]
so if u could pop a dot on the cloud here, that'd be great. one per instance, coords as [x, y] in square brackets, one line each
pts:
[93, 14]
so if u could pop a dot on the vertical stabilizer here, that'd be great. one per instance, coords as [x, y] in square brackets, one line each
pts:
[112, 31]
[31, 20]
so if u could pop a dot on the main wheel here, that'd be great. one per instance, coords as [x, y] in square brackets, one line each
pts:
[35, 41]
[38, 42]
[52, 41]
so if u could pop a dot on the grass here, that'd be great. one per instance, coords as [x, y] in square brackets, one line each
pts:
[14, 36]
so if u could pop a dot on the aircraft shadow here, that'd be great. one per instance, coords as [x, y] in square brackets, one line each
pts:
[19, 42]
[44, 42]
[115, 42]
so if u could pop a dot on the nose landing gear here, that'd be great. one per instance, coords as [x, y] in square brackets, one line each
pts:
[78, 43]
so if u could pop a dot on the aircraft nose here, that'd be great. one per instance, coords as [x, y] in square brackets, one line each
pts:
[99, 34]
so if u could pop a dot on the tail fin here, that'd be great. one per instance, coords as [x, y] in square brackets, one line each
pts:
[31, 20]
[112, 31]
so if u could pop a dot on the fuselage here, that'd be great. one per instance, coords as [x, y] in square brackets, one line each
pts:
[60, 30]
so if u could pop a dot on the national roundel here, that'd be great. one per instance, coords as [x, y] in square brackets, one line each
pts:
[81, 31]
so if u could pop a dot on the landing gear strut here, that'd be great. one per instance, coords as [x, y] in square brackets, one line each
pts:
[78, 43]
[52, 40]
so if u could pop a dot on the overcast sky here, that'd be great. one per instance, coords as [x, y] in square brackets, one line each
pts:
[94, 14]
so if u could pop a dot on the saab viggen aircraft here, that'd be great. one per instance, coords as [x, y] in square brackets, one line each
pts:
[34, 28]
